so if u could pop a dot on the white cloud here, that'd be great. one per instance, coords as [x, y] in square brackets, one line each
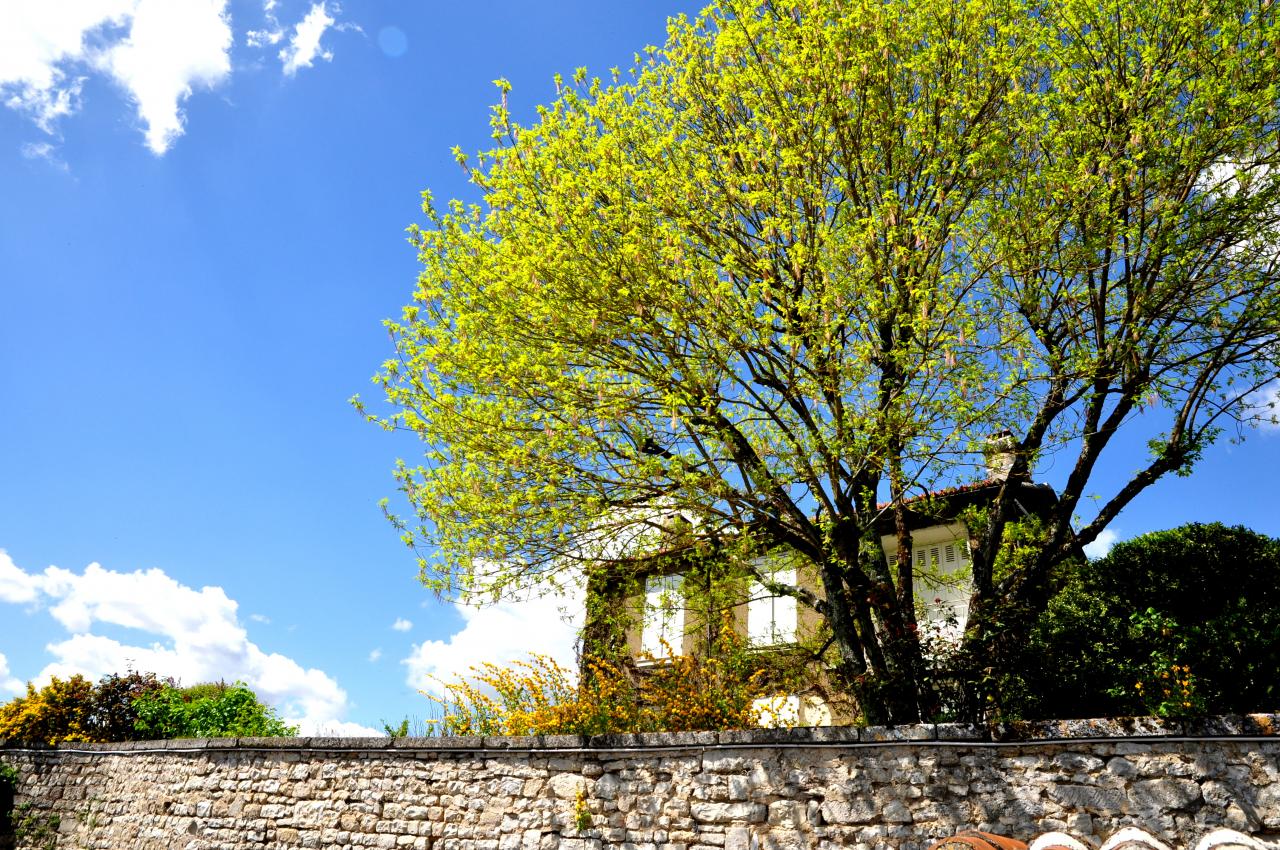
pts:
[47, 105]
[46, 152]
[304, 45]
[260, 618]
[171, 47]
[40, 46]
[402, 625]
[342, 729]
[374, 655]
[1263, 406]
[271, 34]
[196, 637]
[16, 585]
[1102, 544]
[500, 633]
[158, 51]
[7, 682]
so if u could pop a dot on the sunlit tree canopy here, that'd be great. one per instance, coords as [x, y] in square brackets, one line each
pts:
[796, 265]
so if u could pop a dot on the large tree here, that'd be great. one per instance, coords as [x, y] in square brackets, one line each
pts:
[800, 262]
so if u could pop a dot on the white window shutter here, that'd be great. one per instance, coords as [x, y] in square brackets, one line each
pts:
[771, 620]
[663, 616]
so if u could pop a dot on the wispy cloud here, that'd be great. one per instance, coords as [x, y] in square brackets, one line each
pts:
[304, 45]
[46, 152]
[196, 635]
[269, 34]
[375, 655]
[402, 625]
[1263, 407]
[260, 618]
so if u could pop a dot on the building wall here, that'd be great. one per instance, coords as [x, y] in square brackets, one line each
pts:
[942, 591]
[823, 788]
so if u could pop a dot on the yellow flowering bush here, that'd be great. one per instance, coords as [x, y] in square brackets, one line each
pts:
[1170, 691]
[541, 697]
[60, 711]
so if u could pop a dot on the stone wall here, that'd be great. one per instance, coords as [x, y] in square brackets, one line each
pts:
[823, 788]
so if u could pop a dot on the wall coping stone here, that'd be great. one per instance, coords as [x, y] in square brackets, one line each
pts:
[1153, 729]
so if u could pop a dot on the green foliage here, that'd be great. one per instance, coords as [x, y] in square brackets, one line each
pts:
[8, 776]
[581, 811]
[23, 823]
[1174, 623]
[133, 706]
[204, 690]
[398, 730]
[207, 711]
[798, 258]
[32, 829]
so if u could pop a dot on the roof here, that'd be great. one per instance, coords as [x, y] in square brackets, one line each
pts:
[942, 506]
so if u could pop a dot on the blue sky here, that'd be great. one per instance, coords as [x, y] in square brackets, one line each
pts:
[201, 228]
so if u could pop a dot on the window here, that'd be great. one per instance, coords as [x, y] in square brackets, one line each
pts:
[943, 557]
[790, 710]
[771, 620]
[943, 584]
[778, 712]
[663, 616]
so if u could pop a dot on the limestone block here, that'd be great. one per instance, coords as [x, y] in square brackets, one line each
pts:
[309, 814]
[568, 785]
[722, 762]
[858, 810]
[738, 838]
[896, 812]
[1098, 800]
[1157, 795]
[739, 787]
[729, 812]
[786, 813]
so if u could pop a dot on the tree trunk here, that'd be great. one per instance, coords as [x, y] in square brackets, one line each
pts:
[882, 663]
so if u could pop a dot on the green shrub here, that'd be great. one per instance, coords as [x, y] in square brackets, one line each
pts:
[1174, 623]
[207, 711]
[136, 706]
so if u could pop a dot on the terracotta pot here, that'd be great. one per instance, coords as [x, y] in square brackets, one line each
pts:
[1060, 841]
[1132, 838]
[978, 841]
[1229, 839]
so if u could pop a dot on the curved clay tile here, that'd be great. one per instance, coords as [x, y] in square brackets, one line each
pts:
[978, 841]
[1229, 839]
[1132, 838]
[1060, 841]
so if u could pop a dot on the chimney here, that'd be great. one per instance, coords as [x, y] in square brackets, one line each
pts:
[1000, 455]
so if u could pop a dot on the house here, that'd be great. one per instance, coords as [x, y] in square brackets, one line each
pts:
[675, 601]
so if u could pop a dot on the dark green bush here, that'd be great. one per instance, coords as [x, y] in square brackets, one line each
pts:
[1174, 623]
[114, 714]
